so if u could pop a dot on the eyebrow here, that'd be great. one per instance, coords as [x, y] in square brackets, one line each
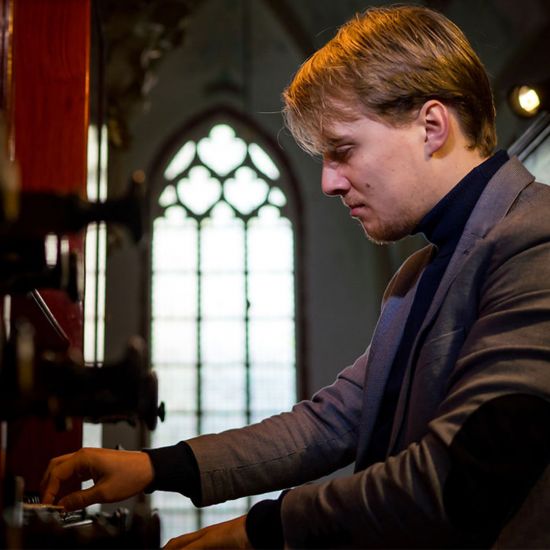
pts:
[332, 141]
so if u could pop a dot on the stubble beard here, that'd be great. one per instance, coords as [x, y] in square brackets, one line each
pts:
[390, 233]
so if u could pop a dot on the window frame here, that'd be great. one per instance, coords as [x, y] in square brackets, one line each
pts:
[247, 129]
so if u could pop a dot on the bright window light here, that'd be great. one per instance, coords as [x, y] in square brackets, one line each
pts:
[95, 260]
[223, 304]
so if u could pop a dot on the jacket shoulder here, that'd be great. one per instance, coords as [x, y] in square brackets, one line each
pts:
[406, 276]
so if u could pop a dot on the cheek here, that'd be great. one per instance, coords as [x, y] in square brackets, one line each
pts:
[396, 201]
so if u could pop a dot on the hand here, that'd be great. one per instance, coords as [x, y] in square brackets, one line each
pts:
[222, 536]
[116, 474]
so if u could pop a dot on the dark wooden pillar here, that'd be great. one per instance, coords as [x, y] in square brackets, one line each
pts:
[48, 120]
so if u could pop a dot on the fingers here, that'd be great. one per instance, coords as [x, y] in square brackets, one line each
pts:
[183, 541]
[61, 469]
[64, 468]
[116, 474]
[227, 535]
[55, 474]
[81, 499]
[49, 487]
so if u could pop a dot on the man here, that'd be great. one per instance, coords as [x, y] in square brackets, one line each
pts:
[446, 414]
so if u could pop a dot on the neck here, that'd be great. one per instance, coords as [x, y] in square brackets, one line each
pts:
[450, 164]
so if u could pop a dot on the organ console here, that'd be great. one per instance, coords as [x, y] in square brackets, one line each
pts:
[36, 380]
[46, 390]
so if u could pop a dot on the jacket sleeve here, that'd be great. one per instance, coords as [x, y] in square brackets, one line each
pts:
[317, 437]
[487, 442]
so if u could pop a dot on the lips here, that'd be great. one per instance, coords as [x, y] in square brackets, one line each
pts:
[354, 208]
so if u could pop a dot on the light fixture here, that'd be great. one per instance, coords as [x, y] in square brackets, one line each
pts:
[526, 100]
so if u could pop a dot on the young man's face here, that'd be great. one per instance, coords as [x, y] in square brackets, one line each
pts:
[379, 172]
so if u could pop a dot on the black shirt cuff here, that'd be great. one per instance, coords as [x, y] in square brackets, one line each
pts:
[264, 526]
[175, 469]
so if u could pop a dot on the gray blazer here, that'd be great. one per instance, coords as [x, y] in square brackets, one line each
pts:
[486, 334]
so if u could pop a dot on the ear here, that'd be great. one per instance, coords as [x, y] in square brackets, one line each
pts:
[434, 116]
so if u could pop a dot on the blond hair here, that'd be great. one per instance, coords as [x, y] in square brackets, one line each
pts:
[389, 61]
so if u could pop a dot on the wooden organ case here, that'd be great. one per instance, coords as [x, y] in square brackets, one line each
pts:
[45, 388]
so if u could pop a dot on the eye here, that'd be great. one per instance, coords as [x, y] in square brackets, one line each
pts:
[343, 153]
[339, 154]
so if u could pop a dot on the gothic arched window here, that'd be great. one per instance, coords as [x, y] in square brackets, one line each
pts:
[223, 335]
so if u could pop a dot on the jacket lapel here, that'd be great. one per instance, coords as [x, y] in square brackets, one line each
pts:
[383, 348]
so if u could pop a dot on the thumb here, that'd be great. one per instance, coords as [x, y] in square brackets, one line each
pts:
[81, 499]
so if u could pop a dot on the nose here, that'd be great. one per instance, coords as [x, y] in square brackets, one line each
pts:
[333, 182]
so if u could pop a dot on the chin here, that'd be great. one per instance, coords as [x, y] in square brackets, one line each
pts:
[387, 234]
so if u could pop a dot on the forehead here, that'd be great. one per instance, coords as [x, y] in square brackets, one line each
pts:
[339, 131]
[336, 130]
[338, 117]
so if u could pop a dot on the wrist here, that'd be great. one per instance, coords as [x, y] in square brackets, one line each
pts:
[264, 526]
[145, 469]
[175, 468]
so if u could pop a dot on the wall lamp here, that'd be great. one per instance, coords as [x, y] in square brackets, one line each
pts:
[526, 100]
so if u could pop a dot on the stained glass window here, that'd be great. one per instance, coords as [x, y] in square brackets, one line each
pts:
[222, 300]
